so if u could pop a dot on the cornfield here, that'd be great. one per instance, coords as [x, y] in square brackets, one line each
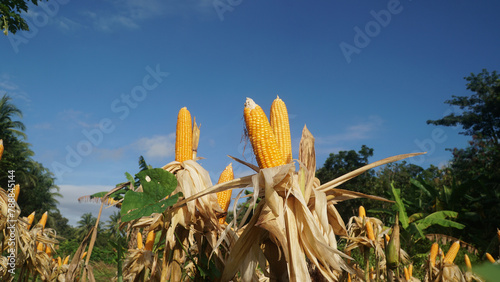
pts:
[175, 220]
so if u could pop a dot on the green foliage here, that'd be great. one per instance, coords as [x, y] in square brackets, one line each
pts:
[10, 15]
[481, 110]
[157, 184]
[417, 223]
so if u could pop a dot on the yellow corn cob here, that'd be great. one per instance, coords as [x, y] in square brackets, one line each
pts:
[48, 251]
[184, 136]
[498, 234]
[17, 188]
[66, 260]
[224, 197]
[410, 270]
[264, 144]
[387, 238]
[407, 274]
[452, 252]
[281, 128]
[369, 230]
[39, 247]
[140, 245]
[434, 252]
[349, 277]
[31, 217]
[150, 240]
[490, 258]
[59, 261]
[1, 148]
[83, 255]
[43, 220]
[362, 212]
[467, 262]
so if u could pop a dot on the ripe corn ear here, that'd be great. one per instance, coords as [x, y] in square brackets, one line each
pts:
[43, 220]
[1, 148]
[434, 252]
[66, 260]
[140, 245]
[31, 217]
[361, 212]
[59, 261]
[369, 230]
[39, 247]
[467, 262]
[260, 133]
[83, 255]
[150, 240]
[224, 197]
[17, 188]
[184, 136]
[490, 258]
[452, 252]
[407, 274]
[281, 128]
[387, 238]
[410, 270]
[48, 251]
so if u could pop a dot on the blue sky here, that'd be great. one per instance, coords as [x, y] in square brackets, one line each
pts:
[104, 80]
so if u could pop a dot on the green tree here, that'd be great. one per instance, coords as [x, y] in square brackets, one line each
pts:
[481, 110]
[85, 224]
[10, 15]
[344, 162]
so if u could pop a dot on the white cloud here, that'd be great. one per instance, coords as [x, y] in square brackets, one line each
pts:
[157, 147]
[129, 14]
[359, 131]
[73, 210]
[9, 87]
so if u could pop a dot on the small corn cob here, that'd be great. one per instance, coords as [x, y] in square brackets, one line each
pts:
[31, 217]
[369, 230]
[48, 251]
[387, 238]
[224, 197]
[467, 262]
[39, 247]
[59, 261]
[410, 270]
[43, 220]
[361, 212]
[140, 245]
[349, 277]
[490, 258]
[150, 240]
[434, 252]
[498, 234]
[83, 255]
[1, 148]
[66, 260]
[17, 188]
[260, 133]
[281, 128]
[452, 252]
[407, 274]
[184, 136]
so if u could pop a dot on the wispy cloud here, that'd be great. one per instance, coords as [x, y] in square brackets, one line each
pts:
[129, 14]
[78, 118]
[157, 147]
[8, 86]
[359, 131]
